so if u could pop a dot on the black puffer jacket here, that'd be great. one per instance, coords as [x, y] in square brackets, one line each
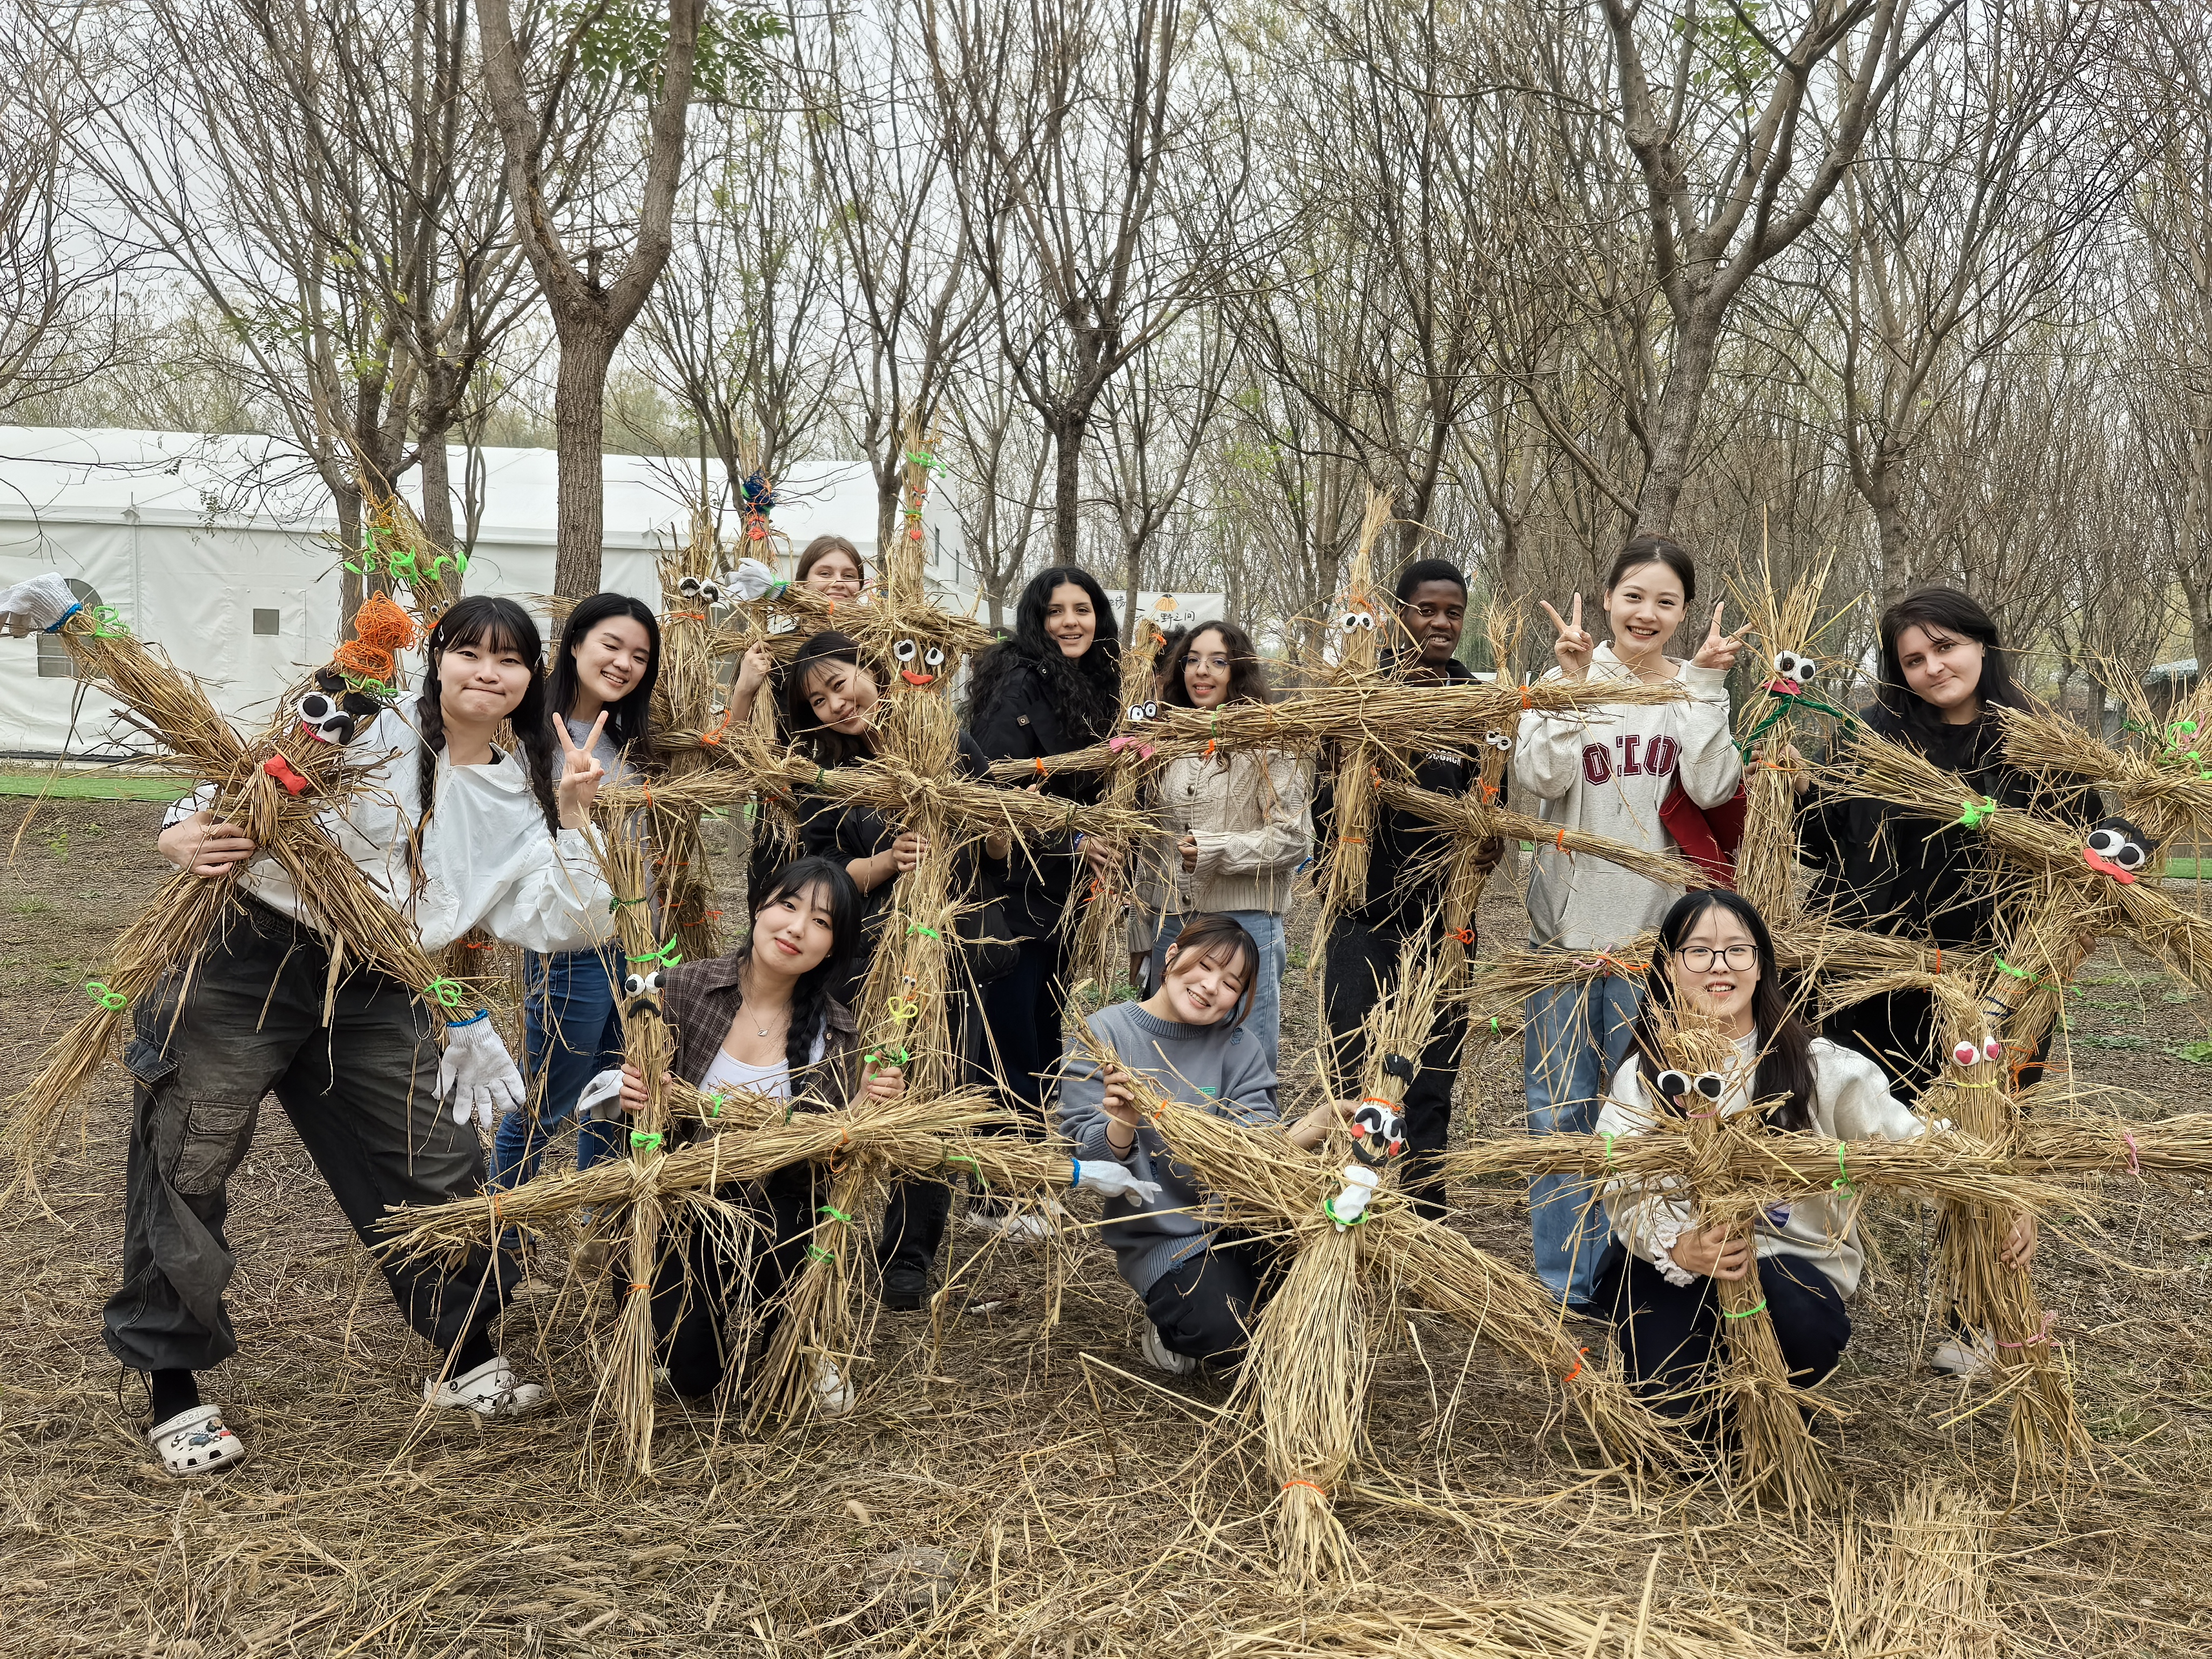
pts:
[1018, 722]
[1889, 872]
[1402, 840]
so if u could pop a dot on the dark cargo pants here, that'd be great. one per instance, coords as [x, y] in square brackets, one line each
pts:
[361, 1094]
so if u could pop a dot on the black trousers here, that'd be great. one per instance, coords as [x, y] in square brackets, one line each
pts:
[699, 1290]
[1205, 1307]
[1670, 1334]
[1361, 961]
[360, 1094]
[1023, 1010]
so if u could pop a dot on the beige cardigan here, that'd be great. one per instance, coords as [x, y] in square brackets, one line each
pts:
[1253, 821]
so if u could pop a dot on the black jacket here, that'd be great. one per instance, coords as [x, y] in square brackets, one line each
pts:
[1889, 872]
[1402, 840]
[1020, 723]
[847, 833]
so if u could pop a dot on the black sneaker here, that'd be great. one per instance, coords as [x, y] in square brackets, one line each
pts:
[905, 1289]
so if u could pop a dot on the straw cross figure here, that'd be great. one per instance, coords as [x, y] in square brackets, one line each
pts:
[1356, 1247]
[278, 785]
[1734, 1168]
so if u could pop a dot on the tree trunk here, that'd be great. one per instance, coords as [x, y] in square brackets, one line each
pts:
[351, 592]
[1697, 348]
[580, 390]
[1066, 476]
[437, 489]
[1133, 571]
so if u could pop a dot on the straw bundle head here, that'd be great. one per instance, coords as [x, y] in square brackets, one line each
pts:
[395, 545]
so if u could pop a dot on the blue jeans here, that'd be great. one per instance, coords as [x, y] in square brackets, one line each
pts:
[573, 1034]
[1266, 1019]
[1576, 1038]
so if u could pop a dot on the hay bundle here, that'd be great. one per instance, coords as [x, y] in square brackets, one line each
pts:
[395, 545]
[1343, 879]
[1384, 714]
[1100, 906]
[684, 699]
[1918, 1585]
[2165, 786]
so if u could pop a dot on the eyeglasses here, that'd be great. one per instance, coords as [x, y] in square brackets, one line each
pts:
[1698, 958]
[1218, 664]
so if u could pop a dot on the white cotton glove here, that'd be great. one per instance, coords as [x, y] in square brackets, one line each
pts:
[476, 1073]
[1349, 1205]
[601, 1098]
[753, 579]
[1094, 1175]
[37, 604]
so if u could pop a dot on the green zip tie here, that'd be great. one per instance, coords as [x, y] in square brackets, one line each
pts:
[646, 1140]
[1975, 814]
[1758, 1306]
[2017, 972]
[832, 1210]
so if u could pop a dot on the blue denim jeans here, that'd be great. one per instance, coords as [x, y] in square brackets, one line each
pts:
[573, 1034]
[1576, 1038]
[1266, 1019]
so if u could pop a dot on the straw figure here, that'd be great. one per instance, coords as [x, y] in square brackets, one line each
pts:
[1360, 622]
[2163, 782]
[1098, 953]
[1733, 1166]
[279, 785]
[1784, 625]
[1358, 1247]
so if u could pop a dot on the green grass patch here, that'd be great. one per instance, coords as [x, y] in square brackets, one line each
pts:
[2197, 1054]
[93, 786]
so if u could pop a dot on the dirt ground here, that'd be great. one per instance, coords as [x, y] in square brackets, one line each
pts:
[1081, 1505]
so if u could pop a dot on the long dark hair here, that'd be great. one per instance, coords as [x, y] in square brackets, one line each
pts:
[501, 625]
[1208, 932]
[1785, 1060]
[811, 997]
[1941, 611]
[827, 747]
[630, 719]
[1247, 680]
[1656, 549]
[1086, 694]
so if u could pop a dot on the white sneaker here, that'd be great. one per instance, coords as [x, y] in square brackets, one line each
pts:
[833, 1390]
[1162, 1357]
[492, 1390]
[196, 1442]
[1964, 1353]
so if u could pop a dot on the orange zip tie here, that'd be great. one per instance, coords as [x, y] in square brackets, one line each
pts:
[635, 1287]
[473, 945]
[688, 616]
[1560, 840]
[1939, 958]
[1525, 703]
[1577, 1370]
[1037, 760]
[1308, 1485]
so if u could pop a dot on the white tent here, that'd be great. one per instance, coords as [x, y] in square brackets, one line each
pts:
[219, 550]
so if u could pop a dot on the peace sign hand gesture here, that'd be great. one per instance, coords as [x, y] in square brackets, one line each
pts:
[1574, 645]
[1719, 650]
[580, 772]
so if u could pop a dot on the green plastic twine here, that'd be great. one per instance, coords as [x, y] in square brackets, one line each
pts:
[446, 993]
[1975, 814]
[646, 1141]
[832, 1210]
[666, 956]
[1758, 1306]
[104, 625]
[1842, 1184]
[2017, 972]
[615, 904]
[1610, 1137]
[815, 1252]
[914, 928]
[1328, 1209]
[112, 1000]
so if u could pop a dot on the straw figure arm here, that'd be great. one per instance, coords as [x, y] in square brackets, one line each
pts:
[1100, 906]
[1389, 714]
[2165, 786]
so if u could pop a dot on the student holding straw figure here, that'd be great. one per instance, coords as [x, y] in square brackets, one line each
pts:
[1618, 770]
[1199, 1286]
[1715, 964]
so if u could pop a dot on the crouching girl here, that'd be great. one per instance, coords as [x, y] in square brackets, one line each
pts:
[764, 1018]
[1200, 1284]
[1714, 961]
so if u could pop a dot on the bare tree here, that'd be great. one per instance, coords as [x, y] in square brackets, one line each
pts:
[557, 88]
[1717, 141]
[1097, 201]
[1157, 417]
[1004, 471]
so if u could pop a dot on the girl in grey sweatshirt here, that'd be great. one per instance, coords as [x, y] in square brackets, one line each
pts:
[1188, 1040]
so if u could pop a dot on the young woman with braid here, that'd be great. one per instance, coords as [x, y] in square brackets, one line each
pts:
[457, 834]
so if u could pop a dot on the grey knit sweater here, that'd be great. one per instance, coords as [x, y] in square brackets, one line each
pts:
[1212, 1067]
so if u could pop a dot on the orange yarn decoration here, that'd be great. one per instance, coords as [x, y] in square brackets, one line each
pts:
[380, 628]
